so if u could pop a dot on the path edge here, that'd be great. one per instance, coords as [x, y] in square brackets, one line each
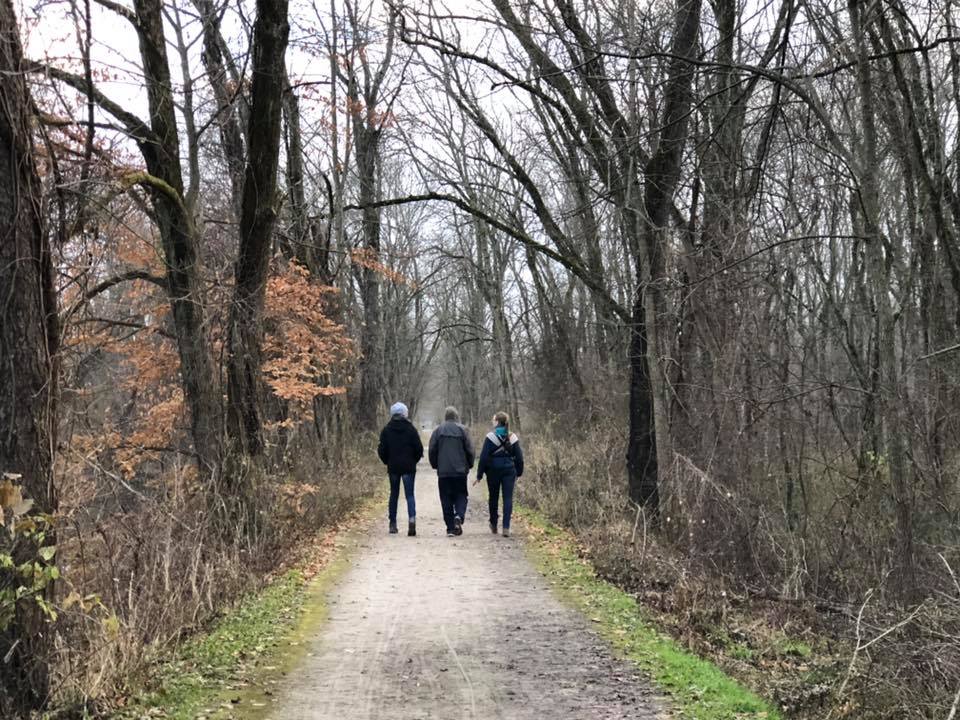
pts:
[688, 684]
[316, 575]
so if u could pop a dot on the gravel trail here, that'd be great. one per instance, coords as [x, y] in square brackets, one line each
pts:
[444, 628]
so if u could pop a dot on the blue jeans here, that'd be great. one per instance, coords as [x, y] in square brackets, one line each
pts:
[495, 482]
[453, 499]
[408, 479]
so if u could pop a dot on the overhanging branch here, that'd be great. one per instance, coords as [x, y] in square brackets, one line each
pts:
[133, 126]
[574, 266]
[110, 282]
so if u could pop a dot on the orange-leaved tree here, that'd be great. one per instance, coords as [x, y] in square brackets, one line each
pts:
[306, 352]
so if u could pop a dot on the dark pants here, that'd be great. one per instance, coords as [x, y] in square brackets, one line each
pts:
[395, 495]
[496, 481]
[453, 498]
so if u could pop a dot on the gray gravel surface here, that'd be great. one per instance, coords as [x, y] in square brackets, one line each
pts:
[438, 627]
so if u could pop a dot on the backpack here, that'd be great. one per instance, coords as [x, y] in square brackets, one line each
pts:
[503, 445]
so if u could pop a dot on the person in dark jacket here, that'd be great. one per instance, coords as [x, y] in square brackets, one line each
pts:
[400, 449]
[452, 455]
[501, 460]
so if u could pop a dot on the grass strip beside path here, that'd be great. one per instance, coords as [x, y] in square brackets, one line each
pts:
[233, 670]
[697, 688]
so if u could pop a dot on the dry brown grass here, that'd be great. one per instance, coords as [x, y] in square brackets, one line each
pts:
[146, 556]
[778, 608]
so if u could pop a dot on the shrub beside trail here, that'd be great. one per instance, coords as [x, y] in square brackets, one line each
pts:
[737, 585]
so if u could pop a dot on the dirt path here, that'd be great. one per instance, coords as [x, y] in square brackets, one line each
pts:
[438, 627]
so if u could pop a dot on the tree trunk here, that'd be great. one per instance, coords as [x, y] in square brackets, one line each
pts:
[179, 238]
[29, 335]
[368, 110]
[641, 439]
[371, 340]
[648, 396]
[559, 338]
[301, 244]
[258, 214]
[890, 392]
[231, 136]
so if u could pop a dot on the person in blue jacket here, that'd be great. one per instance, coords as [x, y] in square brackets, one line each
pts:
[501, 460]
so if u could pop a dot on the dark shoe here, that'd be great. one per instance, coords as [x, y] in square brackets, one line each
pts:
[393, 528]
[493, 528]
[411, 528]
[457, 526]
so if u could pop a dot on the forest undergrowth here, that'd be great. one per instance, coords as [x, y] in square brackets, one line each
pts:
[234, 668]
[696, 688]
[719, 575]
[148, 570]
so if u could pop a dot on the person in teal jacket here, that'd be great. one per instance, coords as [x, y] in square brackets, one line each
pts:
[501, 460]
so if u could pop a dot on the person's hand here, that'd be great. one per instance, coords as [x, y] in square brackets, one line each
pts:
[476, 481]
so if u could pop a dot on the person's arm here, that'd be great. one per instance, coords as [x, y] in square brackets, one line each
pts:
[382, 447]
[433, 448]
[484, 459]
[518, 458]
[468, 448]
[417, 443]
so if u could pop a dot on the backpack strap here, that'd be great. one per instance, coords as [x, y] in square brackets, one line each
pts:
[507, 449]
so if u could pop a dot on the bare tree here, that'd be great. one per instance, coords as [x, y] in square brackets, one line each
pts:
[159, 143]
[369, 101]
[29, 339]
[257, 217]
